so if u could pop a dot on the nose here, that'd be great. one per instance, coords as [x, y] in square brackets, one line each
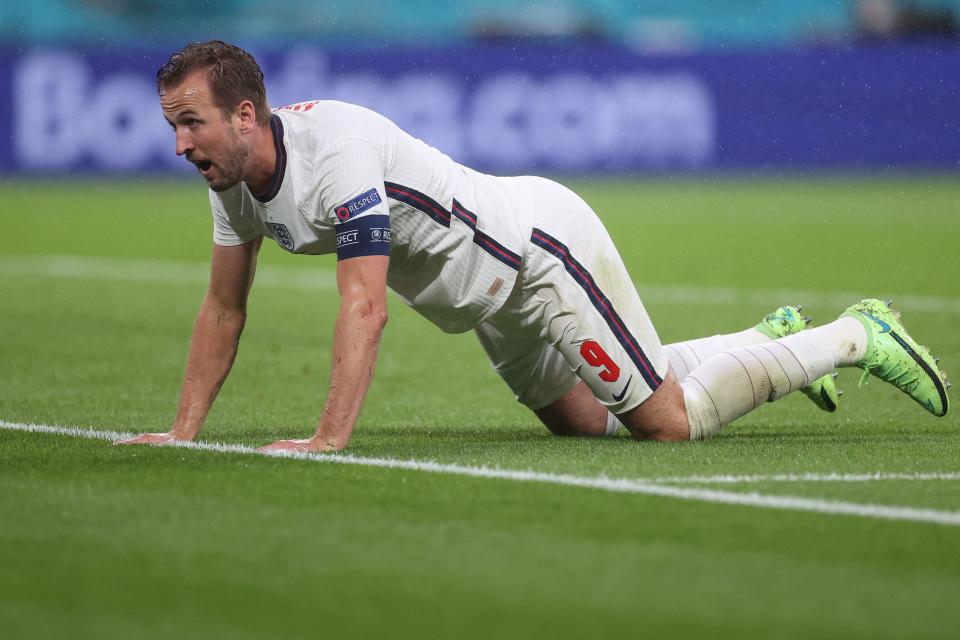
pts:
[184, 143]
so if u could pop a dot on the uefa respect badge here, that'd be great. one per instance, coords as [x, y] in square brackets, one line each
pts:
[356, 206]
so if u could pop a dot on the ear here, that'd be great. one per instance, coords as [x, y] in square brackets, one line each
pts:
[246, 113]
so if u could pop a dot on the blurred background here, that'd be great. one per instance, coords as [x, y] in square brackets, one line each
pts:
[581, 87]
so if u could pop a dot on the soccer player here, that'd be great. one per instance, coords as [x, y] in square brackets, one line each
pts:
[522, 261]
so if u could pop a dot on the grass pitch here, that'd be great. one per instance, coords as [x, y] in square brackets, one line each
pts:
[98, 288]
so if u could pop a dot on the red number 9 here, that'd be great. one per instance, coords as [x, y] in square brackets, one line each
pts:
[595, 356]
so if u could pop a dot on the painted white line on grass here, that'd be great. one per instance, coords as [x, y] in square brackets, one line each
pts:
[808, 477]
[639, 486]
[681, 294]
[324, 279]
[127, 270]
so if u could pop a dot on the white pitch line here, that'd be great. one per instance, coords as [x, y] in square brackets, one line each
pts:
[637, 486]
[177, 272]
[323, 278]
[874, 476]
[682, 294]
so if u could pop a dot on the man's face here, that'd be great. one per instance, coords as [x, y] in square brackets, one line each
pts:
[204, 136]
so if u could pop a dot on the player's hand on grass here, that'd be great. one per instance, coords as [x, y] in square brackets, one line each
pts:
[150, 438]
[308, 445]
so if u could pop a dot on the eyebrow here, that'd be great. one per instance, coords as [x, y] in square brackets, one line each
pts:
[181, 114]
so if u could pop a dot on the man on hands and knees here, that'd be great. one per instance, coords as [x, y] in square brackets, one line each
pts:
[522, 261]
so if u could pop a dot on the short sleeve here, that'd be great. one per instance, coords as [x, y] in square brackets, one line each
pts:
[354, 199]
[229, 228]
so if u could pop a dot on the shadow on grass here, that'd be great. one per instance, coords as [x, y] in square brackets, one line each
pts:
[481, 444]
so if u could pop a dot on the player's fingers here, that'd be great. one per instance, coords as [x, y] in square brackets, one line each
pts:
[146, 438]
[285, 445]
[279, 445]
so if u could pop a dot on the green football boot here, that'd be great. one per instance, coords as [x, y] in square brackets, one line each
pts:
[894, 357]
[786, 321]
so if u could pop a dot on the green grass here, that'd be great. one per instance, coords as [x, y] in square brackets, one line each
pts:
[105, 542]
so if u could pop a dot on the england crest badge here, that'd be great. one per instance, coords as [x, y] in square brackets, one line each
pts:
[281, 235]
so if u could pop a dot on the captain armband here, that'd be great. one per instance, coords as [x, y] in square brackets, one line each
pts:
[364, 236]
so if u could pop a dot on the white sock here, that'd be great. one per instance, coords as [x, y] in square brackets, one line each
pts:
[613, 424]
[686, 356]
[737, 381]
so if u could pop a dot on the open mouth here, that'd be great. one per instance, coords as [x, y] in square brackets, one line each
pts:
[204, 166]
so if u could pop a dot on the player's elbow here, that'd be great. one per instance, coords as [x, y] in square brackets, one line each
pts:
[378, 318]
[367, 312]
[223, 314]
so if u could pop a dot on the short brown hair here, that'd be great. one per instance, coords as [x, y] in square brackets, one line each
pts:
[233, 74]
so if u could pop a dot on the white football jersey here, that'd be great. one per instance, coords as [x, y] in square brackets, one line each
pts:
[349, 181]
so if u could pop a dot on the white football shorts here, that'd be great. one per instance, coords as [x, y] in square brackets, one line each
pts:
[574, 313]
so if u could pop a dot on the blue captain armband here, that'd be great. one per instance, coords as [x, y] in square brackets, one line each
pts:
[364, 236]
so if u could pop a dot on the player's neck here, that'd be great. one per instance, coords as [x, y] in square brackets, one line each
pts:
[262, 162]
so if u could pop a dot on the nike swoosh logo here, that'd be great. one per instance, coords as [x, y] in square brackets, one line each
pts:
[619, 397]
[885, 328]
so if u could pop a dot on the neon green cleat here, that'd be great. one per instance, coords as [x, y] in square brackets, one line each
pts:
[786, 321]
[894, 357]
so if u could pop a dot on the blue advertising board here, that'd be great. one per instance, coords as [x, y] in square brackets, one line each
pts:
[525, 109]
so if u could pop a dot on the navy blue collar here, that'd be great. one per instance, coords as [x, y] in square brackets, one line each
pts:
[276, 127]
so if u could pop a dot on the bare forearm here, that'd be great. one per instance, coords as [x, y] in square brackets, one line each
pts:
[213, 348]
[355, 344]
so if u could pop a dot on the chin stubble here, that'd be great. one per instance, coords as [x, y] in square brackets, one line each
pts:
[232, 167]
